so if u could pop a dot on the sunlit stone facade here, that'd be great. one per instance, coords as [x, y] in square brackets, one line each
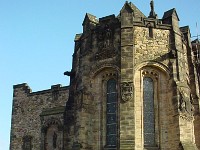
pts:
[134, 85]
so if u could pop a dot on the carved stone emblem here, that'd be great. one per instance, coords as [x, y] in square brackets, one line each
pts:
[185, 104]
[105, 43]
[186, 108]
[126, 91]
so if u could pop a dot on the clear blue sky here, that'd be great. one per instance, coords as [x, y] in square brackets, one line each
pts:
[36, 41]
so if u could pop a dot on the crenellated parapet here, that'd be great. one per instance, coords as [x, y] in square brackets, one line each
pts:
[134, 84]
[29, 108]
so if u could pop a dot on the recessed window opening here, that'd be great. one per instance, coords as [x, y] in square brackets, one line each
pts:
[148, 112]
[150, 32]
[111, 114]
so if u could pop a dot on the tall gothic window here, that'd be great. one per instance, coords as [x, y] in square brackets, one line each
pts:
[111, 114]
[148, 112]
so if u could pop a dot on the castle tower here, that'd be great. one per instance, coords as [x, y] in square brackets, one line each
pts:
[131, 86]
[134, 85]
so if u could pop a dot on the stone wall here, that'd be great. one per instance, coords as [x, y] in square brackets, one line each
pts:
[96, 57]
[27, 108]
[149, 48]
[196, 130]
[151, 60]
[127, 49]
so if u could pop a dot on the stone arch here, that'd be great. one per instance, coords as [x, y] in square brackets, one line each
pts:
[160, 75]
[52, 121]
[153, 64]
[52, 134]
[100, 68]
[99, 77]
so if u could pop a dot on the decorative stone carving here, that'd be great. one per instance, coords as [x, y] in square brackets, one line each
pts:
[108, 37]
[152, 14]
[109, 75]
[185, 105]
[105, 43]
[150, 72]
[51, 121]
[126, 91]
[86, 43]
[52, 129]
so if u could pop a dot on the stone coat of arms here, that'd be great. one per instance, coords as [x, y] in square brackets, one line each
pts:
[126, 91]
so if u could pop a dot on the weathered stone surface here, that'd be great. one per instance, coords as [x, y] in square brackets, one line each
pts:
[126, 50]
[27, 108]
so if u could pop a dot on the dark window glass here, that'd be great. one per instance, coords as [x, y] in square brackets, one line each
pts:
[151, 32]
[111, 118]
[54, 140]
[111, 108]
[111, 114]
[148, 112]
[111, 129]
[112, 140]
[111, 97]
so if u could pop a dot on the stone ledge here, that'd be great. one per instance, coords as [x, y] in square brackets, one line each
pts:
[151, 148]
[188, 146]
[53, 111]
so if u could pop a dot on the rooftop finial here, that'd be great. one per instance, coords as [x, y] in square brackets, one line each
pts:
[152, 13]
[152, 5]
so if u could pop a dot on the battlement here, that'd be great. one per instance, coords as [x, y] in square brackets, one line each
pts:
[25, 87]
[30, 107]
[128, 70]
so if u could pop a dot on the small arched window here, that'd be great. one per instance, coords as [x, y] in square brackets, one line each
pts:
[27, 143]
[148, 112]
[111, 114]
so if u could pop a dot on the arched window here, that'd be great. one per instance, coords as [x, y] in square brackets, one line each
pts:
[111, 114]
[148, 112]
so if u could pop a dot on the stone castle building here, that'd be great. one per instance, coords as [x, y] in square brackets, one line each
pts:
[134, 85]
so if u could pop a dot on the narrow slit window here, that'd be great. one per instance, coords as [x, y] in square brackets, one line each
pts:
[150, 32]
[27, 143]
[148, 112]
[111, 114]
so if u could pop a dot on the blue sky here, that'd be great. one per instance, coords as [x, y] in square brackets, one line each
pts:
[36, 41]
